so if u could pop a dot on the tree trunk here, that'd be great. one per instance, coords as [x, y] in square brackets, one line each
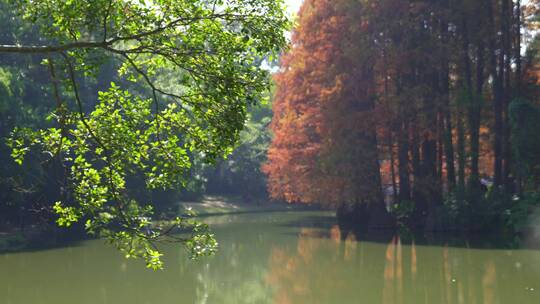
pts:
[469, 102]
[506, 17]
[440, 148]
[403, 164]
[497, 97]
[518, 80]
[461, 148]
[392, 168]
[475, 113]
[447, 117]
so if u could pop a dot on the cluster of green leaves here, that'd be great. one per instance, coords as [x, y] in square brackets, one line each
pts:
[211, 47]
[402, 211]
[524, 211]
[119, 138]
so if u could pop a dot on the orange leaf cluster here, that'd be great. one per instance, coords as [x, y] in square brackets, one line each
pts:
[322, 110]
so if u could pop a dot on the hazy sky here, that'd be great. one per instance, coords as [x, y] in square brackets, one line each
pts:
[294, 5]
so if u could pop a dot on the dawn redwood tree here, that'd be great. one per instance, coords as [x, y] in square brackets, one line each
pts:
[212, 48]
[325, 147]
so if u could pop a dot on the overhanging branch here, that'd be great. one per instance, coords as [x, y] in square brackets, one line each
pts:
[41, 49]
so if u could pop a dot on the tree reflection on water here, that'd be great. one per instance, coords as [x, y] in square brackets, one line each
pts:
[333, 267]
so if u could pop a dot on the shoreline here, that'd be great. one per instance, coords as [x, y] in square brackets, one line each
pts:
[215, 205]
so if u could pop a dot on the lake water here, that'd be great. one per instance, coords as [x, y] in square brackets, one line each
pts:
[281, 257]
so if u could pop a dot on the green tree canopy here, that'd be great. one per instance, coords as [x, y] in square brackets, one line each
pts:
[147, 125]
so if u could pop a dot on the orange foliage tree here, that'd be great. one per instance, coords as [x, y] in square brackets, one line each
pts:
[324, 148]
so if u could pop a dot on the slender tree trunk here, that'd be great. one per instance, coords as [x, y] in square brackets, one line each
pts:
[518, 78]
[369, 202]
[507, 13]
[497, 97]
[461, 148]
[470, 104]
[517, 55]
[392, 168]
[390, 135]
[403, 163]
[475, 119]
[415, 157]
[445, 93]
[440, 147]
[473, 94]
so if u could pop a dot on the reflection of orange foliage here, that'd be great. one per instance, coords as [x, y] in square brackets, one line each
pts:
[389, 256]
[295, 276]
[306, 246]
[287, 275]
[282, 276]
[335, 233]
[319, 269]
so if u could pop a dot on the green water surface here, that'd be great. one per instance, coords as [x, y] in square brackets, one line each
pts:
[280, 257]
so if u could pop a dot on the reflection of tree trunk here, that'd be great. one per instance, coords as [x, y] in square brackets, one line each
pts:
[414, 268]
[447, 275]
[489, 281]
[399, 272]
[471, 281]
[388, 296]
[460, 295]
[393, 273]
[335, 234]
[350, 246]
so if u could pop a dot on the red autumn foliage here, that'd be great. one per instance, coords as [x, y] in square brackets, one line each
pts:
[323, 111]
